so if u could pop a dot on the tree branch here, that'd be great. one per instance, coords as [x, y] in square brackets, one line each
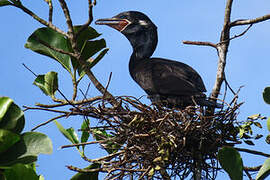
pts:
[200, 43]
[250, 21]
[222, 51]
[50, 12]
[90, 18]
[253, 152]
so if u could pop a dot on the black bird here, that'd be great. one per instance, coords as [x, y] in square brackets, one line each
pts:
[172, 83]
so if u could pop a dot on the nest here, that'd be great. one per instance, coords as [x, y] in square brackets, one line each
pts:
[153, 142]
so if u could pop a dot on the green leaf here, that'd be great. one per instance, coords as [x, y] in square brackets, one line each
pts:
[27, 149]
[85, 131]
[98, 58]
[87, 34]
[11, 116]
[64, 132]
[5, 102]
[231, 162]
[5, 3]
[7, 139]
[267, 139]
[48, 83]
[254, 117]
[82, 38]
[266, 95]
[258, 124]
[92, 47]
[264, 170]
[73, 135]
[20, 172]
[268, 124]
[45, 36]
[41, 177]
[89, 175]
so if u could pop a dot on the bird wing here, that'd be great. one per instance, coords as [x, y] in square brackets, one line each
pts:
[175, 78]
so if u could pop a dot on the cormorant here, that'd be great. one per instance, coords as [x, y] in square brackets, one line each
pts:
[172, 83]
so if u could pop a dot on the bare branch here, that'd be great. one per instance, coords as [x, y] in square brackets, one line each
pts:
[68, 19]
[250, 21]
[238, 35]
[50, 11]
[84, 101]
[248, 175]
[222, 50]
[257, 168]
[90, 18]
[253, 152]
[200, 43]
[47, 122]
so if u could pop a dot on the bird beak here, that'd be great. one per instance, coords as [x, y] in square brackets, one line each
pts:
[116, 23]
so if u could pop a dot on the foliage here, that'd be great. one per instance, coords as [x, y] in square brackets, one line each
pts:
[231, 162]
[19, 151]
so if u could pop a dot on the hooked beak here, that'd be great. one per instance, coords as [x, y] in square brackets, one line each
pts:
[116, 23]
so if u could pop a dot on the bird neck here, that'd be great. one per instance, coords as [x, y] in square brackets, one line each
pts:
[144, 44]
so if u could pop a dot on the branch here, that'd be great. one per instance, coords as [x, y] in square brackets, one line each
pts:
[90, 100]
[253, 152]
[68, 20]
[257, 168]
[84, 65]
[200, 43]
[50, 120]
[250, 21]
[90, 18]
[50, 11]
[222, 51]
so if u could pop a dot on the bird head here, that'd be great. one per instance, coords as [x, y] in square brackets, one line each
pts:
[128, 23]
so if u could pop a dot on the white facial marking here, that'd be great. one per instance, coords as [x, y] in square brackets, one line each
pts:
[142, 22]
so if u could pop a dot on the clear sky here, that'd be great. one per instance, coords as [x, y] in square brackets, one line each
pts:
[247, 64]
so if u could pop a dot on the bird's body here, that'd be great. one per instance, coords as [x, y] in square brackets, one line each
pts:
[170, 82]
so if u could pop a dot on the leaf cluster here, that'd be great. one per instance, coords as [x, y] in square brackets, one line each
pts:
[19, 151]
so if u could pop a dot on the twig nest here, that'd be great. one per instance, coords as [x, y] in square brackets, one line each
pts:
[152, 141]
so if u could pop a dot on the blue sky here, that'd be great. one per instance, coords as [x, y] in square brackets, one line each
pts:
[248, 61]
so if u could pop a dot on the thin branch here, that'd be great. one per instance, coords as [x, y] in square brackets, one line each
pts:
[253, 152]
[45, 109]
[90, 18]
[241, 34]
[85, 170]
[257, 168]
[40, 20]
[50, 12]
[248, 175]
[250, 21]
[200, 43]
[108, 83]
[75, 86]
[238, 35]
[30, 70]
[71, 33]
[47, 122]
